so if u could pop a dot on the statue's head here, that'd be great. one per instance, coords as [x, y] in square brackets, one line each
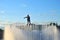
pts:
[28, 15]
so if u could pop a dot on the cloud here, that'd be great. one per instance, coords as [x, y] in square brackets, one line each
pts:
[53, 11]
[23, 5]
[2, 11]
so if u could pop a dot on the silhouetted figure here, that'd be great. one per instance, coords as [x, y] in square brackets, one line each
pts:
[28, 20]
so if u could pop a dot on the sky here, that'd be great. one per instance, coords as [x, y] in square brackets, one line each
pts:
[39, 10]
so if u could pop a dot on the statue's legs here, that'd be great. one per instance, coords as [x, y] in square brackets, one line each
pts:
[28, 23]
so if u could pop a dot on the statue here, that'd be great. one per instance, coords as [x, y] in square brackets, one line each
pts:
[28, 20]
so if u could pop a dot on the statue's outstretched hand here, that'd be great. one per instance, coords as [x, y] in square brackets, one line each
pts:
[25, 17]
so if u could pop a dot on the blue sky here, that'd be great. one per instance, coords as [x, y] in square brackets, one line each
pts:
[39, 10]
